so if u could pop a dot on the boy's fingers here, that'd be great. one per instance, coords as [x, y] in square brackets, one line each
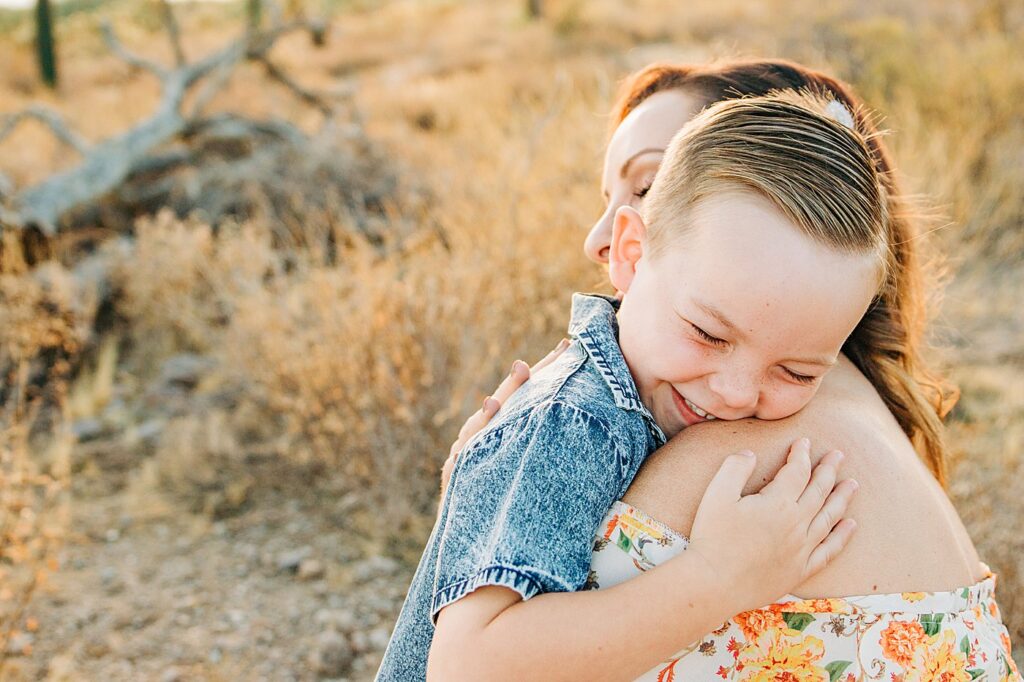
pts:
[550, 357]
[830, 547]
[823, 480]
[832, 511]
[727, 485]
[792, 478]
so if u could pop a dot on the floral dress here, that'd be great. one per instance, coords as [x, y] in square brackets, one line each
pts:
[954, 636]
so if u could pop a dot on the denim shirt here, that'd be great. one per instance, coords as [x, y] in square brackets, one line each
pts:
[529, 490]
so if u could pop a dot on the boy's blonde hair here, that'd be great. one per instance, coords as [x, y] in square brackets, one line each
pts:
[799, 150]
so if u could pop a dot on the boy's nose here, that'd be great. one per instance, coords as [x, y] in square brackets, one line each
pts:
[739, 393]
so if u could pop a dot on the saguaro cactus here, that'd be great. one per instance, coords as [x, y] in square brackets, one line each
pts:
[45, 42]
[254, 12]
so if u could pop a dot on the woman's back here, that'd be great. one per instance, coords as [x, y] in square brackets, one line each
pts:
[908, 538]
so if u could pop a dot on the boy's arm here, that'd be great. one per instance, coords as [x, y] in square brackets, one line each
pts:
[744, 552]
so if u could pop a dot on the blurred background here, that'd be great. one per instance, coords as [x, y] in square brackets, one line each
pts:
[260, 260]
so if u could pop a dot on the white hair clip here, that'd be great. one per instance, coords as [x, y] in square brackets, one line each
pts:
[839, 113]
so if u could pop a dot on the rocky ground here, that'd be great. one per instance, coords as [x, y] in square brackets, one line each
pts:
[274, 593]
[285, 578]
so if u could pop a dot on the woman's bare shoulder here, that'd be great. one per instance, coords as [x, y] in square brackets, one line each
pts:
[842, 416]
[900, 509]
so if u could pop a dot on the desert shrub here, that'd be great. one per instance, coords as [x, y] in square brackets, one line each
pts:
[38, 336]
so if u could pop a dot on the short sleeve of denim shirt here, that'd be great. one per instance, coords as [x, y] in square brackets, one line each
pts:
[525, 502]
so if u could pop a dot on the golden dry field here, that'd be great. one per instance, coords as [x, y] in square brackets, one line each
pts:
[221, 461]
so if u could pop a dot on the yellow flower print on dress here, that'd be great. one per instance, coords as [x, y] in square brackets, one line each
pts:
[939, 659]
[782, 654]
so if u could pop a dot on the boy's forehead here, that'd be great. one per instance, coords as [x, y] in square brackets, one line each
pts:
[743, 258]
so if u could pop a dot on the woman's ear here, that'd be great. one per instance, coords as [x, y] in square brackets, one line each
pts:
[628, 236]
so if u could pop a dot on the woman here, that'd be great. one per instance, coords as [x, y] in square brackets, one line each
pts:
[877, 405]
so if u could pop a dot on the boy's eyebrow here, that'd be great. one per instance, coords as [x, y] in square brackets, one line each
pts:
[720, 316]
[625, 167]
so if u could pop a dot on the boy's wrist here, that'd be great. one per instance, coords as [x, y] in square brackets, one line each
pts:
[721, 587]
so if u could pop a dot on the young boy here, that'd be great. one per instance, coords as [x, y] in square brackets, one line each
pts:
[737, 297]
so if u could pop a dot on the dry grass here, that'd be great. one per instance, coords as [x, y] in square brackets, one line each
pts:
[370, 362]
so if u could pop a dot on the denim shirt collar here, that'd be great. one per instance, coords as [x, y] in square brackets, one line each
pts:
[593, 322]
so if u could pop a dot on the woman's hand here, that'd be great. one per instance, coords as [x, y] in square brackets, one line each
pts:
[760, 547]
[517, 377]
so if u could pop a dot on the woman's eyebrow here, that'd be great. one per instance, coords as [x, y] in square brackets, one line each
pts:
[649, 150]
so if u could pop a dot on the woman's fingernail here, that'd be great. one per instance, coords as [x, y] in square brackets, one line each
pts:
[805, 443]
[856, 486]
[486, 400]
[518, 365]
[563, 344]
[840, 456]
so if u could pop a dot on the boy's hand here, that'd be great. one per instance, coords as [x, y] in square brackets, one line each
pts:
[761, 547]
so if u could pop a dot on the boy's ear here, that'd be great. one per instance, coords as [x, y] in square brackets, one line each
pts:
[627, 247]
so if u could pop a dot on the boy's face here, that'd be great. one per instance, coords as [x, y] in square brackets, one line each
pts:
[739, 316]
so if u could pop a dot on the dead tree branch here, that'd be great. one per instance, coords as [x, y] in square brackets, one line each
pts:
[107, 164]
[173, 32]
[52, 120]
[126, 55]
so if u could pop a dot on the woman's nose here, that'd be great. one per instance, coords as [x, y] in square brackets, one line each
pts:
[599, 241]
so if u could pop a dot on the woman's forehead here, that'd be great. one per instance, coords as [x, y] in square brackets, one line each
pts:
[652, 124]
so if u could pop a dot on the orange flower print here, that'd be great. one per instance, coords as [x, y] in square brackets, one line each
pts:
[783, 655]
[900, 639]
[1005, 639]
[831, 605]
[941, 659]
[612, 523]
[753, 623]
[914, 596]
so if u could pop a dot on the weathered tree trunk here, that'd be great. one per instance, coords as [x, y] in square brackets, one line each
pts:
[45, 43]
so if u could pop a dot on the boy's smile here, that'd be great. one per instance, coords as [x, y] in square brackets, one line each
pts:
[738, 315]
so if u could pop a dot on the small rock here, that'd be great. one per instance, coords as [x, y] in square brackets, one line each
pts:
[20, 644]
[337, 619]
[171, 675]
[112, 535]
[374, 567]
[185, 370]
[290, 561]
[379, 639]
[332, 655]
[96, 647]
[311, 569]
[360, 642]
[87, 429]
[149, 431]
